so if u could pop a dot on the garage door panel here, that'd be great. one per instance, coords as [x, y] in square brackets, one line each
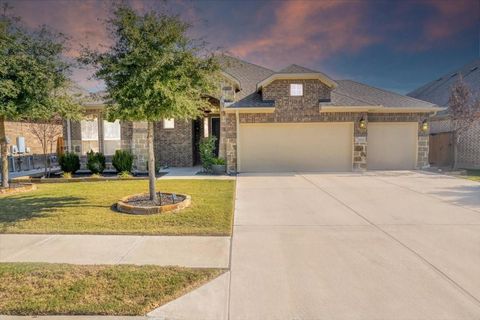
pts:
[392, 146]
[295, 147]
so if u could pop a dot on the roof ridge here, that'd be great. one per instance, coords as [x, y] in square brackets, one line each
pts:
[391, 92]
[428, 85]
[250, 63]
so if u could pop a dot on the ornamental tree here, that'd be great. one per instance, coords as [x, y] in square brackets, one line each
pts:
[464, 109]
[33, 78]
[153, 71]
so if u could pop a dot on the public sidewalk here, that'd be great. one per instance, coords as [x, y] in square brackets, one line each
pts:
[185, 251]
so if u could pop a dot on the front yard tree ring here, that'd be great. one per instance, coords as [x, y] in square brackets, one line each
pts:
[18, 188]
[141, 203]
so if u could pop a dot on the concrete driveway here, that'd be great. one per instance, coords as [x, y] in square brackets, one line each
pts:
[384, 245]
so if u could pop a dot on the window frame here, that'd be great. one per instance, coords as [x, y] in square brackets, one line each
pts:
[168, 121]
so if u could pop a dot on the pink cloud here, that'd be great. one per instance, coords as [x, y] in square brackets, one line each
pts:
[308, 31]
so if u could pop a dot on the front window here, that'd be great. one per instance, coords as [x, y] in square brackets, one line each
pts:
[111, 137]
[89, 131]
[296, 89]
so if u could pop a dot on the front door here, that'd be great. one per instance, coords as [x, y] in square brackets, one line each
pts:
[215, 123]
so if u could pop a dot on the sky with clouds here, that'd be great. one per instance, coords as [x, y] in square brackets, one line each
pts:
[395, 45]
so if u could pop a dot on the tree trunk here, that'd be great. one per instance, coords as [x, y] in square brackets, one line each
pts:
[45, 160]
[151, 162]
[4, 152]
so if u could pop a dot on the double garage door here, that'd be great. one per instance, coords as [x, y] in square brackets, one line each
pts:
[309, 147]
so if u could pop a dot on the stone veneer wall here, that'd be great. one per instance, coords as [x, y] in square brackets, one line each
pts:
[174, 147]
[139, 145]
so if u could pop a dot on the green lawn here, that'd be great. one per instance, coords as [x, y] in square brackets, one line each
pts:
[473, 175]
[86, 207]
[41, 289]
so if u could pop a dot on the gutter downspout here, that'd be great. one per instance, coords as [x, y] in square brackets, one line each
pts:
[237, 120]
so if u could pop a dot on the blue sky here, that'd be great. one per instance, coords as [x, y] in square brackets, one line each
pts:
[395, 45]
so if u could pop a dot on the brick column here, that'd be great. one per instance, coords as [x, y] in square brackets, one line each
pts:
[360, 144]
[139, 145]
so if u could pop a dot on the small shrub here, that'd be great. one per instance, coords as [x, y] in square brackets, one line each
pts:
[95, 176]
[125, 175]
[95, 162]
[207, 150]
[123, 161]
[67, 175]
[69, 162]
[219, 161]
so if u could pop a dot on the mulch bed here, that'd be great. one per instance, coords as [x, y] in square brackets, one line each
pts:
[17, 188]
[163, 198]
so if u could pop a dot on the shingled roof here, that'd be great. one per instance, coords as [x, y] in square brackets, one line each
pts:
[352, 93]
[346, 93]
[438, 91]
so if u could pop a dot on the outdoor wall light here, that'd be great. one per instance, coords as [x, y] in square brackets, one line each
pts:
[362, 124]
[425, 125]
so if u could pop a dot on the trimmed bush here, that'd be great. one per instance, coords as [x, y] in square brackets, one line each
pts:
[219, 161]
[95, 162]
[69, 162]
[207, 152]
[122, 161]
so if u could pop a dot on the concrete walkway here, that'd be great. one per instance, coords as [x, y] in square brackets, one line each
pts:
[197, 252]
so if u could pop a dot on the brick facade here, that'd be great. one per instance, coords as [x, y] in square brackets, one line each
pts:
[306, 109]
[174, 147]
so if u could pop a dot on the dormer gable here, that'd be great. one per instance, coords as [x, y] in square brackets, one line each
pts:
[298, 83]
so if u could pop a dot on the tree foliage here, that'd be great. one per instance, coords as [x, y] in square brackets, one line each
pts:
[153, 71]
[33, 73]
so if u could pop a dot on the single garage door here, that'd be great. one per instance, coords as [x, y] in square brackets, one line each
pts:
[295, 147]
[392, 145]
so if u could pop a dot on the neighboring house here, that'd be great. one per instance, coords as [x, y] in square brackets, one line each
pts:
[438, 92]
[296, 119]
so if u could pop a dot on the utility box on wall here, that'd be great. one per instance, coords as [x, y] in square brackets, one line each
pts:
[21, 144]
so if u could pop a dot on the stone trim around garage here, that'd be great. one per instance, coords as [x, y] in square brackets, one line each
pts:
[360, 145]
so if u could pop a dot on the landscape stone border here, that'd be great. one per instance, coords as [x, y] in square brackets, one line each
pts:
[18, 188]
[124, 207]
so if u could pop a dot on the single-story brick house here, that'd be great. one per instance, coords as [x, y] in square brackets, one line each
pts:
[295, 119]
[438, 92]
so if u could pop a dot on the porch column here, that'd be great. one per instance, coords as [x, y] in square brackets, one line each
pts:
[139, 144]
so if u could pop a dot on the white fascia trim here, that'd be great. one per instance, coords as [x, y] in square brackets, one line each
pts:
[299, 76]
[378, 109]
[250, 110]
[350, 108]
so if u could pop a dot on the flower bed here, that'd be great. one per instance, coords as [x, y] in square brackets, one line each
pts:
[18, 188]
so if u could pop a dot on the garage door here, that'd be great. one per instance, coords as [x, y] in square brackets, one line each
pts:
[392, 146]
[295, 147]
